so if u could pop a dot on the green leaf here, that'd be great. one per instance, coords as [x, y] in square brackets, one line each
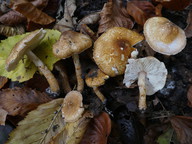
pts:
[46, 125]
[26, 69]
[166, 137]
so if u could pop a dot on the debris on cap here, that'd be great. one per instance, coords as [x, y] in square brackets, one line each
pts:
[113, 48]
[163, 36]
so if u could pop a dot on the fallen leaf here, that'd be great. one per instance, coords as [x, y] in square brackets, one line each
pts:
[19, 101]
[140, 10]
[3, 115]
[114, 14]
[174, 4]
[67, 22]
[25, 68]
[32, 13]
[12, 18]
[46, 125]
[11, 31]
[189, 96]
[98, 130]
[183, 128]
[3, 81]
[166, 137]
[188, 29]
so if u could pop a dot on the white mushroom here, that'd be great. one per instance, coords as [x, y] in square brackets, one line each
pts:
[151, 75]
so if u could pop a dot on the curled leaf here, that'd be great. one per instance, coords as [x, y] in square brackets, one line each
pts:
[3, 81]
[19, 101]
[140, 11]
[183, 128]
[114, 14]
[188, 29]
[98, 130]
[32, 13]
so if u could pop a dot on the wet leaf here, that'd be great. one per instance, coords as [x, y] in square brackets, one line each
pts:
[114, 14]
[19, 101]
[12, 18]
[189, 96]
[140, 11]
[98, 130]
[188, 29]
[3, 81]
[183, 128]
[32, 13]
[67, 22]
[166, 137]
[25, 68]
[46, 125]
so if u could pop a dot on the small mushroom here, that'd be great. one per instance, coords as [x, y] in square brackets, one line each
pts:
[113, 48]
[25, 46]
[151, 75]
[70, 44]
[163, 36]
[72, 106]
[94, 79]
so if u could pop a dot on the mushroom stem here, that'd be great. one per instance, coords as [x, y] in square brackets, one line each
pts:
[80, 82]
[99, 94]
[142, 91]
[65, 82]
[54, 86]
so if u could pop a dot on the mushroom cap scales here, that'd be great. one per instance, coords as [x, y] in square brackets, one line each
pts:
[156, 73]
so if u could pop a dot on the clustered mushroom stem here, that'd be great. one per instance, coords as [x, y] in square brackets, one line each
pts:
[66, 86]
[99, 94]
[54, 86]
[142, 91]
[80, 82]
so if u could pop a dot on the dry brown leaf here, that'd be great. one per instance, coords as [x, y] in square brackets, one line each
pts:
[32, 13]
[189, 96]
[114, 14]
[12, 18]
[3, 115]
[188, 29]
[174, 4]
[183, 128]
[3, 81]
[19, 101]
[140, 11]
[98, 130]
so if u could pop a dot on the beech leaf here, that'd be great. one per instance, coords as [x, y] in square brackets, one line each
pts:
[32, 13]
[98, 130]
[140, 11]
[188, 29]
[114, 14]
[183, 128]
[166, 137]
[46, 125]
[25, 68]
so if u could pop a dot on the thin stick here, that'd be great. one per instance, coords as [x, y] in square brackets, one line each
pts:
[99, 94]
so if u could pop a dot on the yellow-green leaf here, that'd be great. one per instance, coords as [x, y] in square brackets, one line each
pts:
[46, 125]
[26, 69]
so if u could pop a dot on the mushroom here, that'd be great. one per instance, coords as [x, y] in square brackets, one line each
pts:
[72, 106]
[113, 48]
[69, 44]
[25, 46]
[163, 36]
[94, 79]
[151, 75]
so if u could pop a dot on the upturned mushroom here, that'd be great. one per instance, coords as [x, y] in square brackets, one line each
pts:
[25, 46]
[113, 48]
[94, 79]
[151, 75]
[163, 36]
[72, 106]
[70, 44]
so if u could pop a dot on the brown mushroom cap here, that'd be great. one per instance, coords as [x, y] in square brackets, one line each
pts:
[72, 106]
[163, 36]
[70, 43]
[96, 78]
[27, 43]
[113, 48]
